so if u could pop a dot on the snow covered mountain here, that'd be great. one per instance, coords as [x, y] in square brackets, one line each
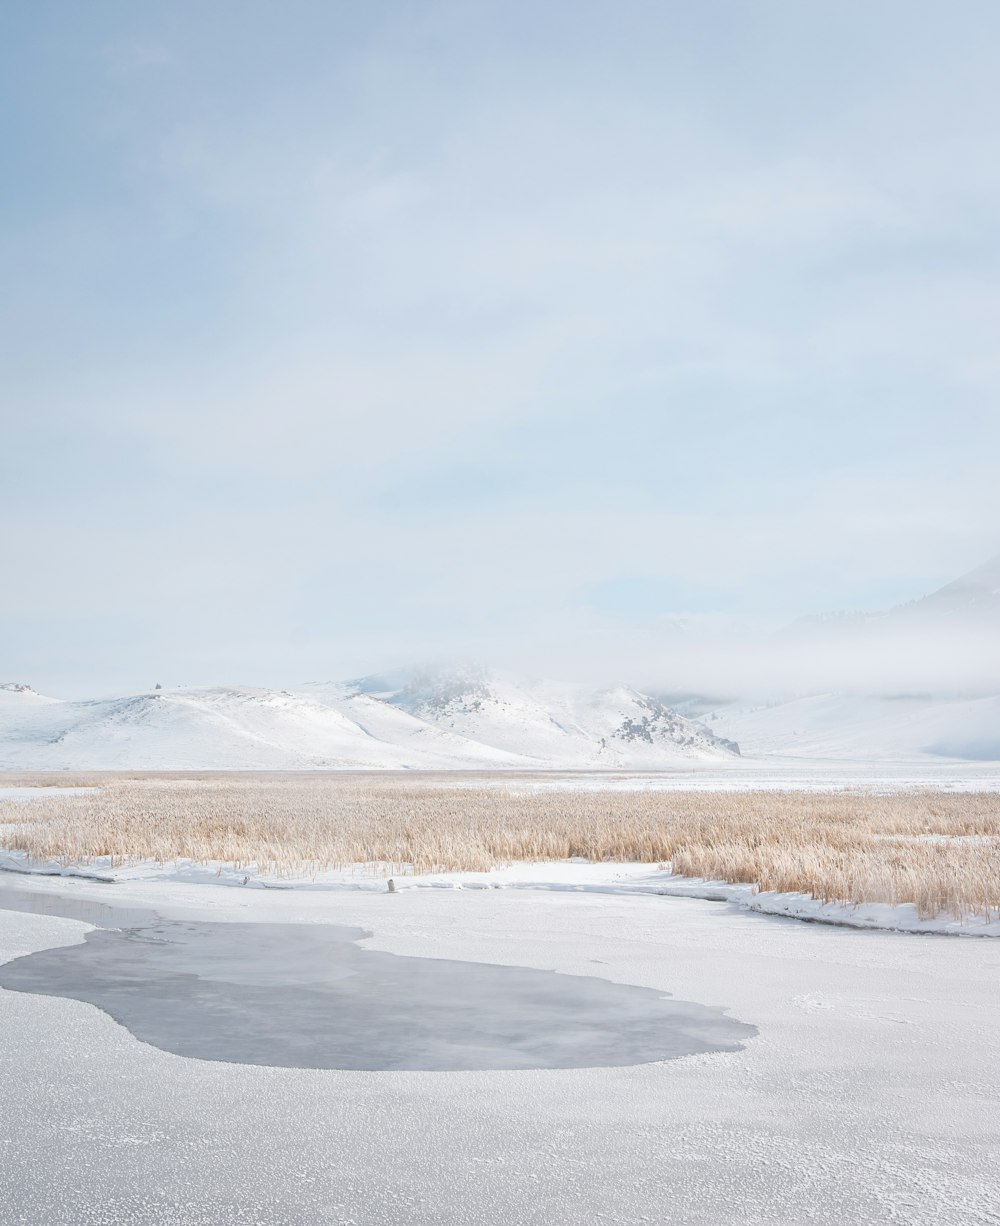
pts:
[974, 596]
[544, 720]
[969, 603]
[227, 728]
[920, 681]
[337, 726]
[866, 728]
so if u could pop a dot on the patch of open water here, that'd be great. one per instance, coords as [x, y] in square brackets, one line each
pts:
[310, 996]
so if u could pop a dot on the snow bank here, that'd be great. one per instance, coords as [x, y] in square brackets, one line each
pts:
[564, 875]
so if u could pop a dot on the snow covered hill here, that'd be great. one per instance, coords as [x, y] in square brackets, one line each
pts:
[967, 605]
[866, 728]
[920, 682]
[337, 726]
[945, 645]
[974, 595]
[227, 728]
[558, 724]
[15, 696]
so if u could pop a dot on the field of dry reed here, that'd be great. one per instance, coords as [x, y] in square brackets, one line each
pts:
[939, 850]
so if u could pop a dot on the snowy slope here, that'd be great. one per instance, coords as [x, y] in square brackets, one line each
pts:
[923, 680]
[227, 728]
[975, 595]
[553, 723]
[973, 599]
[866, 727]
[962, 616]
[336, 726]
[16, 697]
[469, 720]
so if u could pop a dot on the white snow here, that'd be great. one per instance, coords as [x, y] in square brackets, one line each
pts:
[468, 719]
[869, 1094]
[765, 774]
[230, 728]
[334, 726]
[576, 876]
[866, 728]
[549, 721]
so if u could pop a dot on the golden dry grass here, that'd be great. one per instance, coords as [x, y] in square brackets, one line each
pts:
[856, 846]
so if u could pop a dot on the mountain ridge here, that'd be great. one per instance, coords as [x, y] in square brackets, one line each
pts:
[338, 725]
[613, 725]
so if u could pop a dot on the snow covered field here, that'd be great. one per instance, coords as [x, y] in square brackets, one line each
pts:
[868, 1095]
[555, 876]
[774, 773]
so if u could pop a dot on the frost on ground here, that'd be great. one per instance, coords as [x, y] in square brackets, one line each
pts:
[868, 1095]
[559, 876]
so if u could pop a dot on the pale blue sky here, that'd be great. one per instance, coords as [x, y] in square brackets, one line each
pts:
[340, 335]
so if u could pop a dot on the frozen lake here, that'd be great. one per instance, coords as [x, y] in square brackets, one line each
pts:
[869, 1093]
[310, 996]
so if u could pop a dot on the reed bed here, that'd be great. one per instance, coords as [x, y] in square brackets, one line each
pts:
[938, 850]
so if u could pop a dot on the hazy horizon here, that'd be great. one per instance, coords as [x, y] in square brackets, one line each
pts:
[935, 655]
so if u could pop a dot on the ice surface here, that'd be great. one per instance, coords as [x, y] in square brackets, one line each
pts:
[308, 996]
[869, 1095]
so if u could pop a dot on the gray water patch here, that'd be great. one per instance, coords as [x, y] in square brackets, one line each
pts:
[309, 996]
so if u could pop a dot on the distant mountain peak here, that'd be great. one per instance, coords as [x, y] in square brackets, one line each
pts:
[972, 599]
[977, 592]
[550, 721]
[462, 687]
[453, 717]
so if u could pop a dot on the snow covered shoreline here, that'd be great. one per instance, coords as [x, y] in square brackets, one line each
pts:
[572, 876]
